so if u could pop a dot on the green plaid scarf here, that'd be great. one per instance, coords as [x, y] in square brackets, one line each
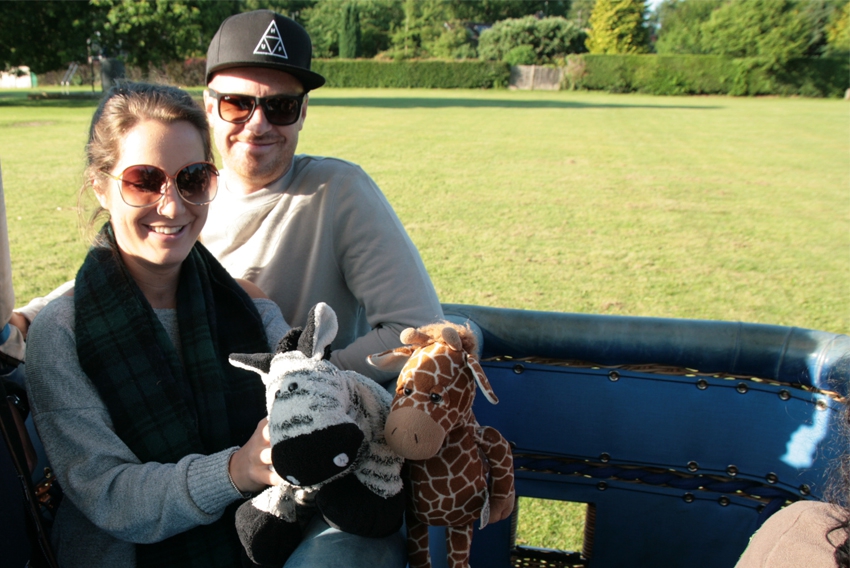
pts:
[162, 409]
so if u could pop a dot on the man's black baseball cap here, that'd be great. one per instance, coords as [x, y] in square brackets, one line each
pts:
[263, 38]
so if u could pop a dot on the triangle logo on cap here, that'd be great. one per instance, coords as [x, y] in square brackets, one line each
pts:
[271, 43]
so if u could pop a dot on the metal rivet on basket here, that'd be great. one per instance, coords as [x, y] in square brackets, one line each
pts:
[693, 466]
[702, 384]
[784, 394]
[772, 478]
[602, 486]
[688, 497]
[518, 369]
[820, 405]
[724, 501]
[605, 457]
[614, 376]
[742, 388]
[805, 490]
[732, 471]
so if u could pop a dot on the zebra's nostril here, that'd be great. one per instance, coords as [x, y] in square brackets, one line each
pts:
[278, 394]
[341, 460]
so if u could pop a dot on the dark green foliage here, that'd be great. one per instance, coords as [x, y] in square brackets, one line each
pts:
[376, 20]
[153, 32]
[713, 74]
[550, 38]
[521, 55]
[349, 35]
[414, 74]
[45, 35]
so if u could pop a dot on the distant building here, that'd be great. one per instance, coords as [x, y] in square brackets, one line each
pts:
[18, 78]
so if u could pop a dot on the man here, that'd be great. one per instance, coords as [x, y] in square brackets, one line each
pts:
[303, 228]
[306, 229]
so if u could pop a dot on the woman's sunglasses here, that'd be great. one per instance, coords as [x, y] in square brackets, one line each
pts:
[280, 110]
[144, 186]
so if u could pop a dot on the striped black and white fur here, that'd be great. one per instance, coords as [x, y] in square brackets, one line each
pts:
[327, 436]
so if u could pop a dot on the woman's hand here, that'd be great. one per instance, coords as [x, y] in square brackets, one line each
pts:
[251, 466]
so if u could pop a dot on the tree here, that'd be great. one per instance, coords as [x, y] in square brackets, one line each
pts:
[680, 22]
[617, 26]
[376, 17]
[838, 30]
[45, 35]
[349, 35]
[547, 38]
[773, 30]
[580, 11]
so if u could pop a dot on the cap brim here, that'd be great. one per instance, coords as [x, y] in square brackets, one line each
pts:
[309, 79]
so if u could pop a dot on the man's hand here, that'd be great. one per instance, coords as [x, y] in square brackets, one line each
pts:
[19, 321]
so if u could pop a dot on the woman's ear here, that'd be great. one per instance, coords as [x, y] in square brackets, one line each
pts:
[99, 189]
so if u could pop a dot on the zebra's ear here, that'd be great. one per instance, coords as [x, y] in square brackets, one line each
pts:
[320, 331]
[258, 362]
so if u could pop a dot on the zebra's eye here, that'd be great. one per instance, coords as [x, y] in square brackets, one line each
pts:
[407, 391]
[435, 398]
[293, 387]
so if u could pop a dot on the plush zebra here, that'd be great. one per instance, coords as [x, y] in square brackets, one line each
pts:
[327, 435]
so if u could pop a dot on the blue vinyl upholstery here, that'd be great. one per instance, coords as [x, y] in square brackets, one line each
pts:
[680, 467]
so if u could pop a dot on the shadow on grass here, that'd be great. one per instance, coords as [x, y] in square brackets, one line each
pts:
[11, 99]
[427, 102]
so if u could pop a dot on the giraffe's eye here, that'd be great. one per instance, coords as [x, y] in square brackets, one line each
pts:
[407, 391]
[435, 398]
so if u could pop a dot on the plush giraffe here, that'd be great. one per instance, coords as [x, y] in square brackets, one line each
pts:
[449, 455]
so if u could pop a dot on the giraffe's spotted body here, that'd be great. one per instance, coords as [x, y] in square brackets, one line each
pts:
[449, 455]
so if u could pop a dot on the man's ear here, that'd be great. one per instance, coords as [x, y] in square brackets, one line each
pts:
[209, 105]
[304, 110]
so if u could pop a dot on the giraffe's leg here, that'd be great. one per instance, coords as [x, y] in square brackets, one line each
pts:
[458, 542]
[418, 554]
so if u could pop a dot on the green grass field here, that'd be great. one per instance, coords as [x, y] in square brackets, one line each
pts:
[687, 207]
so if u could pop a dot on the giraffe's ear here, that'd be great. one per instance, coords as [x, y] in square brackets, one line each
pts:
[392, 360]
[481, 379]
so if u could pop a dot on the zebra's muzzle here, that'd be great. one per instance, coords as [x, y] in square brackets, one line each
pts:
[315, 457]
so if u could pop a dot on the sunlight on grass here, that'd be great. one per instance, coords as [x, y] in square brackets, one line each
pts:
[555, 525]
[688, 207]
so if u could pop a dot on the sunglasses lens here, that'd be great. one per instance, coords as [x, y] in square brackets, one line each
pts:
[282, 111]
[198, 183]
[142, 185]
[235, 108]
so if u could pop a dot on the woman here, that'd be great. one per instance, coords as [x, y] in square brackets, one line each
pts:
[140, 413]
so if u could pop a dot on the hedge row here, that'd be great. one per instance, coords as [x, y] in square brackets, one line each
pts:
[709, 74]
[427, 74]
[654, 74]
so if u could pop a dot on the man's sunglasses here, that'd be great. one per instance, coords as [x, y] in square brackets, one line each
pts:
[280, 110]
[144, 186]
